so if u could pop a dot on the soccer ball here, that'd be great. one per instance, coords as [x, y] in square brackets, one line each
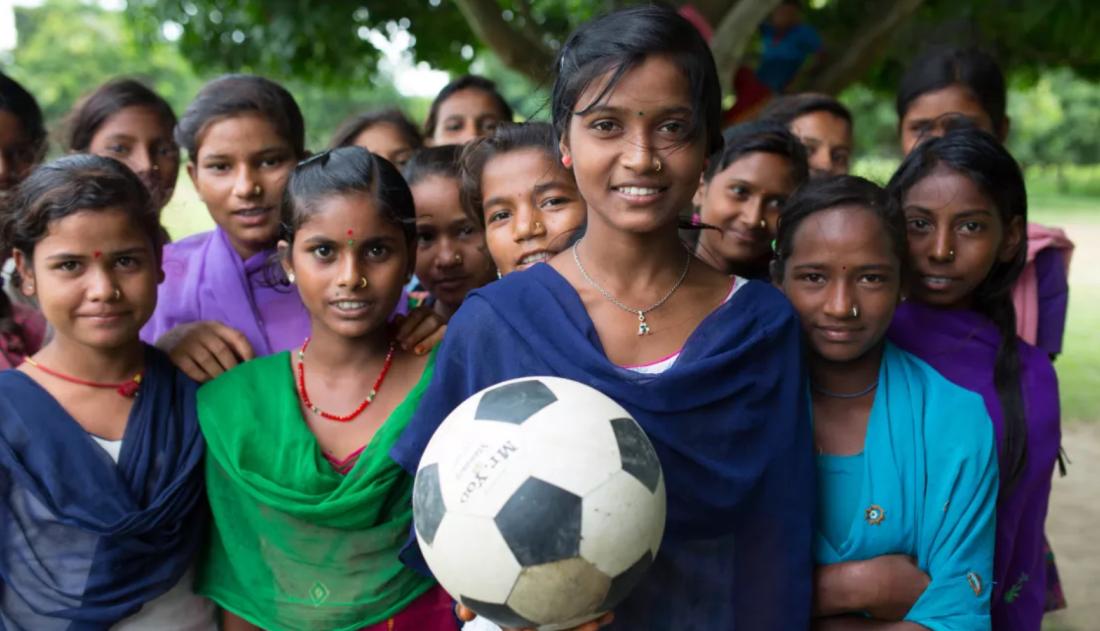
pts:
[539, 502]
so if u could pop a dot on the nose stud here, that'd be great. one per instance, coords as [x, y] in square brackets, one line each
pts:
[855, 311]
[657, 166]
[763, 223]
[458, 257]
[118, 294]
[257, 190]
[362, 282]
[538, 225]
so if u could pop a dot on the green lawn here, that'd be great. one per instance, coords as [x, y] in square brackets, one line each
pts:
[1078, 367]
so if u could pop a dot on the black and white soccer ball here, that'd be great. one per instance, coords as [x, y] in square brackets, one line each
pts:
[539, 502]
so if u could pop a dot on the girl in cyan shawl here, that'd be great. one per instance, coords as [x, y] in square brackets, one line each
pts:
[907, 469]
[101, 509]
[309, 509]
[709, 364]
[966, 209]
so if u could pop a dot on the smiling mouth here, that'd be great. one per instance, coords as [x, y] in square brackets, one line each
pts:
[639, 193]
[531, 258]
[350, 305]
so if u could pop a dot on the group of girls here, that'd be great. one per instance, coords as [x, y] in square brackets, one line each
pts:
[852, 433]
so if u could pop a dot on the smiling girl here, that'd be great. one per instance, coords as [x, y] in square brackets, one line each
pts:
[905, 518]
[515, 186]
[100, 451]
[709, 365]
[966, 207]
[309, 509]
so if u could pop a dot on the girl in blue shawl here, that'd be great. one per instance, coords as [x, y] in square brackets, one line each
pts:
[907, 469]
[710, 365]
[101, 492]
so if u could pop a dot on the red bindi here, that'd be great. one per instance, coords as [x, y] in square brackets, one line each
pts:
[96, 254]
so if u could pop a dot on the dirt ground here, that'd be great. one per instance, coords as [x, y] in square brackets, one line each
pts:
[1073, 525]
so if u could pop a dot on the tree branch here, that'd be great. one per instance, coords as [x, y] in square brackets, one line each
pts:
[733, 34]
[518, 51]
[861, 52]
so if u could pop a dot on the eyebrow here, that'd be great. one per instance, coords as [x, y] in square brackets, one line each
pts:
[612, 109]
[120, 136]
[965, 213]
[261, 152]
[116, 253]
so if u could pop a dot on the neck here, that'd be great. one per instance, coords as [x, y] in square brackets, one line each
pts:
[846, 377]
[336, 353]
[626, 263]
[246, 249]
[106, 365]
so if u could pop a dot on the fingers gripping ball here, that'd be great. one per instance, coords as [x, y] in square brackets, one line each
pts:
[539, 502]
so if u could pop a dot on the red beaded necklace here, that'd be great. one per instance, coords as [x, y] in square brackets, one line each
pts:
[127, 389]
[362, 406]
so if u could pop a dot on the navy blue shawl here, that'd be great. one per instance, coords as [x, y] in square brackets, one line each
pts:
[729, 420]
[84, 542]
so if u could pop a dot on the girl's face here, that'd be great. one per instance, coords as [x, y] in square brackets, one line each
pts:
[738, 200]
[387, 141]
[956, 236]
[464, 116]
[240, 170]
[140, 138]
[843, 279]
[350, 265]
[17, 155]
[451, 257]
[531, 206]
[94, 276]
[635, 163]
[828, 141]
[935, 113]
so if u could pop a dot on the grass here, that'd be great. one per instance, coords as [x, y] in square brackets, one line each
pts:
[1078, 367]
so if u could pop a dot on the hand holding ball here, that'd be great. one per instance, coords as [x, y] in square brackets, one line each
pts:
[539, 502]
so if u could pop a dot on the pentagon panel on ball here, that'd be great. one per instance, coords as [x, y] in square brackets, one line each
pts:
[539, 502]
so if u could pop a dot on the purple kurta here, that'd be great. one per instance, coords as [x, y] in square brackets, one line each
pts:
[205, 279]
[962, 345]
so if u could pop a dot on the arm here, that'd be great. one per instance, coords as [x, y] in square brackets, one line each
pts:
[886, 587]
[855, 623]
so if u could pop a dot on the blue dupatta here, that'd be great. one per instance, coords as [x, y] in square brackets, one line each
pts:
[729, 420]
[929, 490]
[85, 542]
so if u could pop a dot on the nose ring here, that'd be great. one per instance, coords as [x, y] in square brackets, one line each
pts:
[855, 311]
[657, 166]
[458, 257]
[362, 282]
[118, 294]
[257, 190]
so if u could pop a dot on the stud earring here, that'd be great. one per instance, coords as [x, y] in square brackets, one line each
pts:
[566, 161]
[290, 277]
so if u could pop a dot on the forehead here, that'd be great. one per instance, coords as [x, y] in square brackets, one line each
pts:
[822, 125]
[516, 172]
[769, 171]
[240, 135]
[87, 230]
[381, 135]
[953, 99]
[436, 197]
[471, 102]
[135, 120]
[843, 235]
[945, 189]
[656, 83]
[333, 216]
[11, 129]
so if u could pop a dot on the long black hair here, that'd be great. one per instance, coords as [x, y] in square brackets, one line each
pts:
[619, 42]
[970, 68]
[981, 158]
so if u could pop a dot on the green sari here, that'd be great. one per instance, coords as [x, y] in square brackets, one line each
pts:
[294, 544]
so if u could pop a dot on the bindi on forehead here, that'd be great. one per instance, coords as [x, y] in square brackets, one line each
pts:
[96, 254]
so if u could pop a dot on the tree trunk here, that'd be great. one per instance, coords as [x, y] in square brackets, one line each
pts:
[528, 56]
[861, 52]
[734, 32]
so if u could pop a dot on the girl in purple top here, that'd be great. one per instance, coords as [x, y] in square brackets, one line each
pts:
[966, 209]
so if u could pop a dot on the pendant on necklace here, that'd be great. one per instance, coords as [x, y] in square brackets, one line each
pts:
[643, 326]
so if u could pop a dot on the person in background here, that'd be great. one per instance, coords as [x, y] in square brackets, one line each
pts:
[823, 125]
[515, 186]
[22, 145]
[451, 256]
[126, 120]
[744, 185]
[387, 133]
[467, 108]
[905, 518]
[788, 43]
[100, 451]
[965, 206]
[309, 510]
[708, 364]
[952, 88]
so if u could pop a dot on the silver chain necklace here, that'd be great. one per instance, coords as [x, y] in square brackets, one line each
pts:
[643, 326]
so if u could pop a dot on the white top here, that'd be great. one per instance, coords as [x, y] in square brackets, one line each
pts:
[178, 609]
[661, 365]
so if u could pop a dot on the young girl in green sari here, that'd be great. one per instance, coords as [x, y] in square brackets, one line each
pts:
[309, 510]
